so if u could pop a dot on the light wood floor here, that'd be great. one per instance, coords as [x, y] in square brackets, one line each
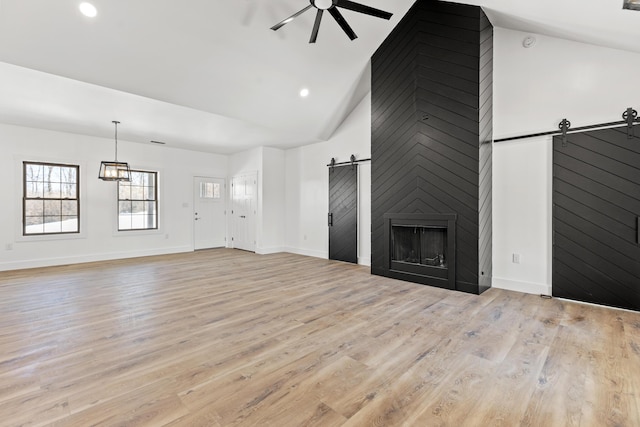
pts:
[228, 338]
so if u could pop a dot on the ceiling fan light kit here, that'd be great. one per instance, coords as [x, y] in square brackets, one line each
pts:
[332, 7]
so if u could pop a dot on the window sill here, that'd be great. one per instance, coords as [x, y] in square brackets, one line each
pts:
[20, 238]
[136, 233]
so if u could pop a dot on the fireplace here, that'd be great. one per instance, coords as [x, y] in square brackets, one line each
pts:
[421, 248]
[431, 147]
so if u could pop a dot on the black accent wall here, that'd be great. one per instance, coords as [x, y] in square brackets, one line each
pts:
[432, 130]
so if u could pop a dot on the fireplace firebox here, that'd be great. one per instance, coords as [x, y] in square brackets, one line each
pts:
[421, 248]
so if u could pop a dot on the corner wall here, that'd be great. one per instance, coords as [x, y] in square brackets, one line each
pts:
[534, 89]
[99, 239]
[269, 163]
[307, 187]
[431, 136]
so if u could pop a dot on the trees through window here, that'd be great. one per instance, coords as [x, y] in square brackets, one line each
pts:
[51, 201]
[138, 202]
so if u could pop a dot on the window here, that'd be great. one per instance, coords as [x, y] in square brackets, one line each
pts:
[138, 202]
[210, 190]
[51, 201]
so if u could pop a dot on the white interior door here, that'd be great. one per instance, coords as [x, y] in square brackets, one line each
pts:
[244, 207]
[209, 223]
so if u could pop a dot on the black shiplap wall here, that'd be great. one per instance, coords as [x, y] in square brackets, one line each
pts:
[486, 152]
[432, 129]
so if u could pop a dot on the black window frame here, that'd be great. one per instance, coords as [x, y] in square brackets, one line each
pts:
[25, 199]
[143, 200]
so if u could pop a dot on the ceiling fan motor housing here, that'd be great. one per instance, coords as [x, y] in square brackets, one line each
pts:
[332, 7]
[323, 4]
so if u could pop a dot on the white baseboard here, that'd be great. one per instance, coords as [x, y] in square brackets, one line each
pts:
[519, 286]
[365, 260]
[272, 250]
[49, 262]
[306, 252]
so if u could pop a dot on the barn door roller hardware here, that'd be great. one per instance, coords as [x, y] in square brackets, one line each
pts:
[630, 119]
[564, 127]
[630, 116]
[352, 161]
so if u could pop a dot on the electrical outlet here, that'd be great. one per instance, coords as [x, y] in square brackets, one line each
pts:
[516, 258]
[166, 236]
[9, 246]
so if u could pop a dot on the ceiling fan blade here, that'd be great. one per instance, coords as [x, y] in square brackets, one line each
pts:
[357, 7]
[291, 18]
[316, 26]
[342, 22]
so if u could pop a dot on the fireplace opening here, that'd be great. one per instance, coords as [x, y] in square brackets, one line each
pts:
[422, 245]
[421, 248]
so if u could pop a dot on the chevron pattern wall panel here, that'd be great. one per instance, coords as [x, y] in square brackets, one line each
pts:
[432, 130]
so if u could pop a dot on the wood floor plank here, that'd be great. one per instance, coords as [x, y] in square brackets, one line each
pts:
[229, 338]
[560, 392]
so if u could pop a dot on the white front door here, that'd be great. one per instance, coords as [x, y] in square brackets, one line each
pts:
[244, 206]
[209, 223]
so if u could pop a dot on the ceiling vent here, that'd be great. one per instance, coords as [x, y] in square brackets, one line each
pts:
[631, 4]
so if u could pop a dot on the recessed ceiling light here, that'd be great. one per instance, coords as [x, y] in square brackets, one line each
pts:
[88, 9]
[631, 4]
[304, 92]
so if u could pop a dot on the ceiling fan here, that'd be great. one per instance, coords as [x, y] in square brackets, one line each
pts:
[332, 6]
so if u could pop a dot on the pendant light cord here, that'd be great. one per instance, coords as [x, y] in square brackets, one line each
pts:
[116, 124]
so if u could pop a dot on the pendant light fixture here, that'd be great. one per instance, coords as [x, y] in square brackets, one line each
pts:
[115, 171]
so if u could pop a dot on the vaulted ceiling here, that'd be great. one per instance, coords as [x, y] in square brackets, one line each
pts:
[210, 75]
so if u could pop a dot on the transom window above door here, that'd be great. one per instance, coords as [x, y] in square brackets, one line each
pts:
[210, 190]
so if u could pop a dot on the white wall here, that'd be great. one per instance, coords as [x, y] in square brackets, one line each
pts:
[99, 239]
[534, 89]
[244, 163]
[269, 163]
[307, 186]
[274, 201]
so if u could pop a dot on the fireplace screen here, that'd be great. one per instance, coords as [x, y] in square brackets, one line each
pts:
[422, 245]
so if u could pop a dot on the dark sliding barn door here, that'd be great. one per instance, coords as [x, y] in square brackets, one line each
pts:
[343, 213]
[596, 204]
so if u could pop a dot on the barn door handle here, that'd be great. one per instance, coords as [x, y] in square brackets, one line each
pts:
[330, 220]
[638, 230]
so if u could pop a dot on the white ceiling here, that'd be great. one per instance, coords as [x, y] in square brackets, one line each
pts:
[210, 75]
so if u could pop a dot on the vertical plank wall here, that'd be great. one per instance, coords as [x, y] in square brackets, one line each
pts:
[432, 129]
